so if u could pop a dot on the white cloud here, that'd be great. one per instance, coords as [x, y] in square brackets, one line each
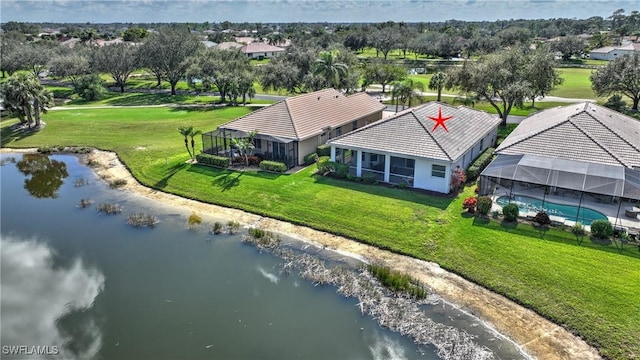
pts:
[35, 296]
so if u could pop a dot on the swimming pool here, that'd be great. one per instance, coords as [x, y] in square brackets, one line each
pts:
[569, 212]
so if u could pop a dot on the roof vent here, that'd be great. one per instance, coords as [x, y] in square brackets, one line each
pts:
[318, 97]
[336, 96]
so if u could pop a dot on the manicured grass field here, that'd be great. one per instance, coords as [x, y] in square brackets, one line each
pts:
[576, 84]
[592, 289]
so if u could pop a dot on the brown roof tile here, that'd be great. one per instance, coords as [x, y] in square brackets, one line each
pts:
[306, 115]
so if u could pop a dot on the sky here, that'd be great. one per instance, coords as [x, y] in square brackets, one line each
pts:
[277, 11]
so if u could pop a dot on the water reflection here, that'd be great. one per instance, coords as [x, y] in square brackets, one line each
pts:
[46, 175]
[46, 305]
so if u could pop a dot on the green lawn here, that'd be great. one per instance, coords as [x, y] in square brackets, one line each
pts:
[593, 290]
[576, 84]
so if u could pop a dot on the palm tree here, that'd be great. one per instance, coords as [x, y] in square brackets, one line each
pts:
[405, 91]
[192, 135]
[24, 94]
[186, 131]
[437, 82]
[244, 146]
[329, 66]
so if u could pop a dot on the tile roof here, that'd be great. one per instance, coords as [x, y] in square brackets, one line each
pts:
[412, 133]
[303, 116]
[259, 48]
[583, 131]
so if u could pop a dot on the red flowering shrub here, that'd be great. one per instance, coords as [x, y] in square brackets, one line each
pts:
[470, 204]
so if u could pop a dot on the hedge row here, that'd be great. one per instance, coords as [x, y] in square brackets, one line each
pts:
[323, 150]
[479, 164]
[310, 159]
[219, 161]
[273, 166]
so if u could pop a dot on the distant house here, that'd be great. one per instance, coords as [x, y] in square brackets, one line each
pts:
[260, 50]
[412, 149]
[228, 45]
[293, 128]
[611, 52]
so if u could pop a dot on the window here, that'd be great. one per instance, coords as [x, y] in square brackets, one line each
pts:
[438, 171]
[339, 131]
[481, 143]
[354, 125]
[257, 143]
[409, 163]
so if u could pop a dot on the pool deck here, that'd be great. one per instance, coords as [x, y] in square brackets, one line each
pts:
[614, 211]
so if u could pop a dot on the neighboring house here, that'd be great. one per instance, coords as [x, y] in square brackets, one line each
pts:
[611, 52]
[571, 151]
[411, 148]
[260, 50]
[293, 128]
[228, 45]
[209, 44]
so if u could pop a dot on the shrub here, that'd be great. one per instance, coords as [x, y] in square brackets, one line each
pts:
[217, 228]
[194, 219]
[233, 226]
[324, 165]
[89, 87]
[481, 162]
[458, 177]
[369, 179]
[323, 150]
[470, 204]
[484, 205]
[240, 160]
[310, 159]
[397, 281]
[273, 166]
[213, 160]
[542, 218]
[339, 170]
[510, 212]
[601, 229]
[141, 220]
[109, 209]
[117, 183]
[47, 149]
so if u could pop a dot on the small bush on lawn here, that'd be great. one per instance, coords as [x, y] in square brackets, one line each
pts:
[480, 163]
[310, 159]
[510, 212]
[273, 166]
[324, 165]
[323, 150]
[578, 231]
[470, 204]
[484, 205]
[542, 218]
[219, 161]
[601, 229]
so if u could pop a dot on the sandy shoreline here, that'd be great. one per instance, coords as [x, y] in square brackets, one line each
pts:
[537, 336]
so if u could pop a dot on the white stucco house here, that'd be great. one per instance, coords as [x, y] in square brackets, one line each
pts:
[413, 148]
[260, 50]
[613, 52]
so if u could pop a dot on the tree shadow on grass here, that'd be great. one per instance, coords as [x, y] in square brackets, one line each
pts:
[481, 220]
[15, 133]
[162, 183]
[228, 180]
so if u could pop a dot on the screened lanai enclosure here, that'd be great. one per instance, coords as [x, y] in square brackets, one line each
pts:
[220, 142]
[570, 181]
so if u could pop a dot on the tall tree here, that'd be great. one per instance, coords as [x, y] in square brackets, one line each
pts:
[170, 50]
[71, 65]
[621, 75]
[327, 65]
[541, 73]
[186, 131]
[569, 46]
[221, 68]
[437, 82]
[405, 91]
[36, 56]
[385, 40]
[119, 60]
[499, 78]
[26, 97]
[382, 73]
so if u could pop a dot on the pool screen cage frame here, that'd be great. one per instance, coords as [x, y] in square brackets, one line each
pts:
[553, 174]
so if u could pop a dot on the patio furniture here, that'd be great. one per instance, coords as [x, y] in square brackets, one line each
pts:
[632, 212]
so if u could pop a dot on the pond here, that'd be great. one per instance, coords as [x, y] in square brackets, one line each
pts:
[77, 284]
